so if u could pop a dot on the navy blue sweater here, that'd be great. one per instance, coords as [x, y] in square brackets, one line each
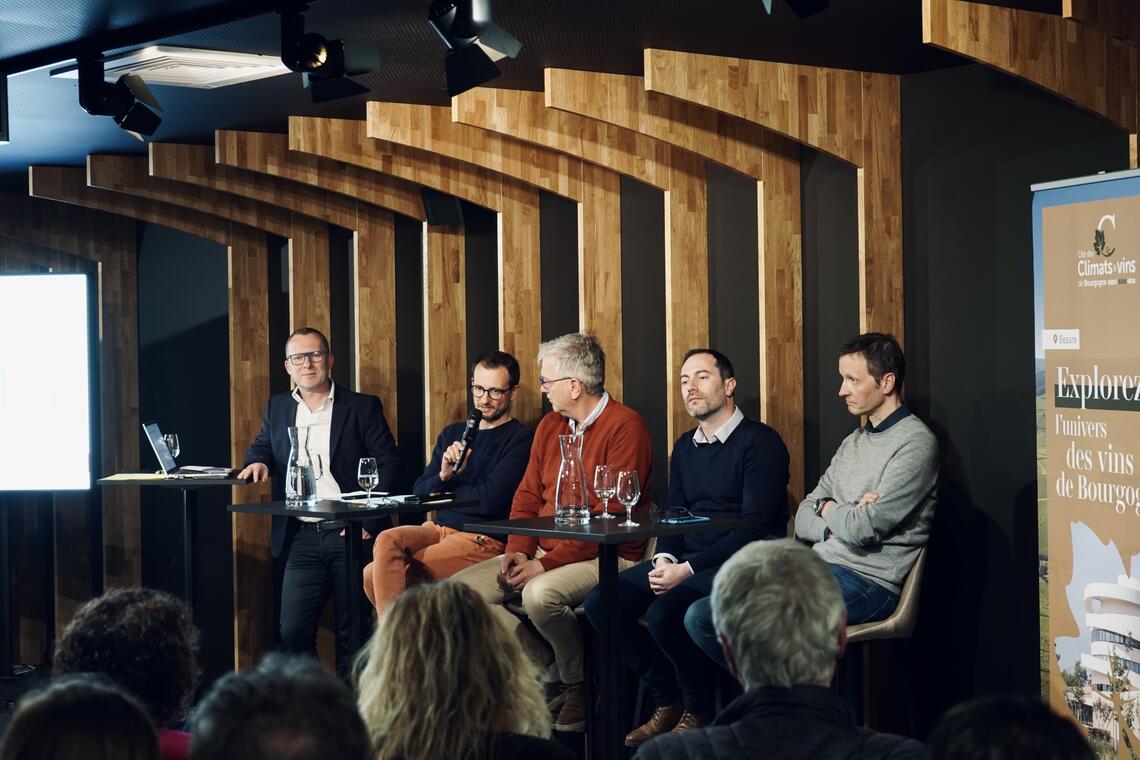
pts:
[494, 468]
[745, 477]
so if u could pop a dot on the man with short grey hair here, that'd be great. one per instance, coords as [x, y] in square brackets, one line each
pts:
[781, 621]
[551, 577]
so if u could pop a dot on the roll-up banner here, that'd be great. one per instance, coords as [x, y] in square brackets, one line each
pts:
[1086, 241]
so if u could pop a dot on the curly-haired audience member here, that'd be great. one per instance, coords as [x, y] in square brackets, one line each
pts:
[287, 708]
[145, 641]
[443, 679]
[80, 717]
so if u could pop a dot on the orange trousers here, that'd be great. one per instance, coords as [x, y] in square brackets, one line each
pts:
[415, 553]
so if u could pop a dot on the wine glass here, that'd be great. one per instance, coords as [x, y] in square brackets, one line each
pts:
[628, 493]
[604, 488]
[367, 475]
[171, 440]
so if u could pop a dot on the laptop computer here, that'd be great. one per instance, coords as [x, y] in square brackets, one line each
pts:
[166, 459]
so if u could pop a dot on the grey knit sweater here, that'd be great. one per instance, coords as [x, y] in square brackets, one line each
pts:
[880, 540]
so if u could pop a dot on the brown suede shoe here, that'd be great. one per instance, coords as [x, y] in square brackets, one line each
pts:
[689, 721]
[572, 715]
[662, 720]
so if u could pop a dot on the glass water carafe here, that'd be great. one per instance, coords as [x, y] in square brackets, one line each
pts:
[303, 470]
[571, 499]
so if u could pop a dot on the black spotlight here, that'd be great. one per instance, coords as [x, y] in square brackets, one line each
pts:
[128, 101]
[324, 64]
[805, 8]
[474, 42]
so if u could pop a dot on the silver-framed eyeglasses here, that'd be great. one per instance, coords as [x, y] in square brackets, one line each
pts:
[316, 357]
[545, 384]
[495, 393]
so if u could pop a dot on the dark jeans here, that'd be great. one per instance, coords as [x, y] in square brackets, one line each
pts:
[670, 665]
[315, 569]
[699, 624]
[865, 599]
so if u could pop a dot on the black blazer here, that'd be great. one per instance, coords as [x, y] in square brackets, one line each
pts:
[358, 430]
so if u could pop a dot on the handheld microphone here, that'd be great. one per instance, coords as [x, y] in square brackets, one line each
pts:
[470, 430]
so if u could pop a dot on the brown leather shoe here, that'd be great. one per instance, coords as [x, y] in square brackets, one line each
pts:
[572, 714]
[690, 721]
[662, 720]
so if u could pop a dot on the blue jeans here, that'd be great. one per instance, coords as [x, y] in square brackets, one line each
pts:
[699, 624]
[865, 599]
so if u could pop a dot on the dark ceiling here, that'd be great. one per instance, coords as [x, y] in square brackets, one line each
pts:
[47, 125]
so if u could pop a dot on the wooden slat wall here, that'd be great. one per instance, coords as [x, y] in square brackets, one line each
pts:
[678, 173]
[832, 110]
[771, 160]
[445, 335]
[1077, 61]
[431, 129]
[1117, 18]
[515, 204]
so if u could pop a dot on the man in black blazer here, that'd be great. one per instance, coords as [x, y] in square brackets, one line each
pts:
[343, 427]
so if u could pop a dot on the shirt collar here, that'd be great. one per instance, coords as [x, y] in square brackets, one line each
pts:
[577, 428]
[898, 414]
[327, 402]
[722, 433]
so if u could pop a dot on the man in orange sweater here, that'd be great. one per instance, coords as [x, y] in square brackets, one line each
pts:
[554, 576]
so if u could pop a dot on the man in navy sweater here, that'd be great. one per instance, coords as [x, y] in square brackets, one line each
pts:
[729, 466]
[488, 475]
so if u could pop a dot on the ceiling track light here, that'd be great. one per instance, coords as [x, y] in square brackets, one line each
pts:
[324, 64]
[475, 43]
[129, 102]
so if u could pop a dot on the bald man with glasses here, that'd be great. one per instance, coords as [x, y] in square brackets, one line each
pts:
[343, 427]
[490, 472]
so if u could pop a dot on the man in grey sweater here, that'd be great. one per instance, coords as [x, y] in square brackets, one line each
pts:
[871, 512]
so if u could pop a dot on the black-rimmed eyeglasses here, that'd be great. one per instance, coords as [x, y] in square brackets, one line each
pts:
[316, 357]
[495, 393]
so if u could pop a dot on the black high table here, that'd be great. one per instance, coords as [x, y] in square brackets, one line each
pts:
[189, 488]
[608, 534]
[330, 509]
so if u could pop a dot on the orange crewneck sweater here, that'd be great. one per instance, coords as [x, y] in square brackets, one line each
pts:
[619, 438]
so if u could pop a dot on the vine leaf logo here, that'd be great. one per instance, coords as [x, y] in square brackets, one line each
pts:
[1100, 247]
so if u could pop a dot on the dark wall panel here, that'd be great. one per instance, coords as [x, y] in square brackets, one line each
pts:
[340, 305]
[410, 349]
[482, 273]
[643, 317]
[558, 266]
[830, 225]
[734, 274]
[184, 385]
[973, 142]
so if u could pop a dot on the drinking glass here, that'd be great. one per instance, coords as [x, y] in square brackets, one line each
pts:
[171, 440]
[604, 488]
[367, 475]
[628, 493]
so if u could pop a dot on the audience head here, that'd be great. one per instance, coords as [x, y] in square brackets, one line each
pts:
[1007, 728]
[779, 613]
[80, 717]
[883, 356]
[441, 673]
[572, 360]
[708, 384]
[494, 372]
[143, 640]
[286, 708]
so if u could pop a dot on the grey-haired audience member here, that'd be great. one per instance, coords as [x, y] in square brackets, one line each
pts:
[287, 708]
[1007, 728]
[780, 618]
[80, 717]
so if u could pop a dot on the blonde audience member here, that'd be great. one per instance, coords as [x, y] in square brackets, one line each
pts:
[442, 680]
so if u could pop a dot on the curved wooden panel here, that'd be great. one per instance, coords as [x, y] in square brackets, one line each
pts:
[249, 381]
[515, 204]
[770, 159]
[849, 114]
[1077, 62]
[1116, 18]
[680, 174]
[445, 334]
[267, 153]
[308, 240]
[430, 128]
